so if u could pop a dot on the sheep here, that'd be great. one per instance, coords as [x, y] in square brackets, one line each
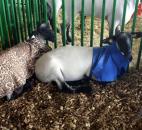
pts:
[17, 63]
[98, 12]
[73, 63]
[50, 10]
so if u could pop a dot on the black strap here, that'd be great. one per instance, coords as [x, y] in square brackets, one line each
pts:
[136, 34]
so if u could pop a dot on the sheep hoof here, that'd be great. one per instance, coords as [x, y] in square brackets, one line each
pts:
[9, 96]
[14, 94]
[68, 33]
[67, 88]
[19, 90]
[86, 90]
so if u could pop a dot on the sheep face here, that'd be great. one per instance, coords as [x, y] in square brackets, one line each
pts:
[124, 41]
[44, 32]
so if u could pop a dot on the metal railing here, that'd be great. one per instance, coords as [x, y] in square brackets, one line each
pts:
[18, 18]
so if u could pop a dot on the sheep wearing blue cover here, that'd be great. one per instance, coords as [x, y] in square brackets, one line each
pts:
[73, 63]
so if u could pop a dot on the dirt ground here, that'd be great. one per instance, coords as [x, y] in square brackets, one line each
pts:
[112, 107]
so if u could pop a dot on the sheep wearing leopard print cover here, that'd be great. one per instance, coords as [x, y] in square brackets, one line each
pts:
[17, 63]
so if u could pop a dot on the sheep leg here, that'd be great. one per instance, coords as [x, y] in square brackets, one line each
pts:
[69, 87]
[13, 95]
[61, 84]
[69, 39]
[68, 35]
[29, 83]
[65, 87]
[76, 89]
[18, 91]
[58, 83]
[84, 89]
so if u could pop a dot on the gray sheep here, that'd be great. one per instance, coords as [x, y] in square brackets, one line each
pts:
[16, 63]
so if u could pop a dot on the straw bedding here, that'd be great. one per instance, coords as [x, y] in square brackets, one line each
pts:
[115, 106]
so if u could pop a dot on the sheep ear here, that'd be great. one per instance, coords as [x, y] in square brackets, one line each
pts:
[117, 31]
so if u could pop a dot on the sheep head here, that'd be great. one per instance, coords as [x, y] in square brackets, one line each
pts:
[44, 32]
[124, 42]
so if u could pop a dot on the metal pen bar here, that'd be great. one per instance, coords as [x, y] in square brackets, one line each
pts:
[82, 24]
[64, 23]
[1, 34]
[113, 18]
[14, 26]
[124, 14]
[54, 19]
[92, 23]
[102, 21]
[21, 19]
[4, 24]
[7, 9]
[73, 15]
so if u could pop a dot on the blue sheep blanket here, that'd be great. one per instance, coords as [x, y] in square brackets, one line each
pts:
[108, 64]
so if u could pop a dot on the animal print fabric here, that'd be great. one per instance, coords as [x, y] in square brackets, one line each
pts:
[17, 64]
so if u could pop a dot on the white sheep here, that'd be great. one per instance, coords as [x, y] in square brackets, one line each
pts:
[72, 63]
[17, 63]
[98, 11]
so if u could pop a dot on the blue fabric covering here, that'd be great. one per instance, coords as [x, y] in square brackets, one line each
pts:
[108, 64]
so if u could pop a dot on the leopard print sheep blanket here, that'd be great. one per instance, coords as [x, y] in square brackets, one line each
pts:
[17, 65]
